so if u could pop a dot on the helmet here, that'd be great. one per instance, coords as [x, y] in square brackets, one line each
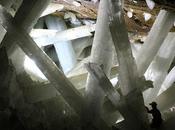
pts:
[153, 104]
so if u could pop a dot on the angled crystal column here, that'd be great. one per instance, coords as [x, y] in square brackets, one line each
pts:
[157, 71]
[169, 80]
[103, 82]
[46, 65]
[64, 49]
[155, 38]
[101, 54]
[71, 95]
[26, 17]
[29, 12]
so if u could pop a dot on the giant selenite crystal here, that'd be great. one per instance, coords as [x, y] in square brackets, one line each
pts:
[102, 54]
[159, 31]
[157, 71]
[45, 64]
[132, 108]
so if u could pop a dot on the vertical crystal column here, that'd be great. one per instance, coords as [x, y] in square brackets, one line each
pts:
[101, 54]
[64, 49]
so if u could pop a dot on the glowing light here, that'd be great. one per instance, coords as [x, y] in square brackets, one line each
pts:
[151, 4]
[147, 16]
[129, 14]
[76, 3]
[119, 120]
[114, 81]
[30, 66]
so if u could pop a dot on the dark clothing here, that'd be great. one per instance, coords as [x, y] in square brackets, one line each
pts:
[157, 119]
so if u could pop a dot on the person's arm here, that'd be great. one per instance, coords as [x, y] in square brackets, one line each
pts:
[149, 111]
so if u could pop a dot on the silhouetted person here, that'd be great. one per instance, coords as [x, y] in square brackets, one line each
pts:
[157, 118]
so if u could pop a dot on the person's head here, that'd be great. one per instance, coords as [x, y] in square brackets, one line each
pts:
[153, 104]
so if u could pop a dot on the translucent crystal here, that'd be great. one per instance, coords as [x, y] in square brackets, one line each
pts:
[158, 68]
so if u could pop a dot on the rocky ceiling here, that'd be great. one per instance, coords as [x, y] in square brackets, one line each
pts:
[139, 14]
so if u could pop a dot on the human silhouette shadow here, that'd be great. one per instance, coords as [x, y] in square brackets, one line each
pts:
[157, 118]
